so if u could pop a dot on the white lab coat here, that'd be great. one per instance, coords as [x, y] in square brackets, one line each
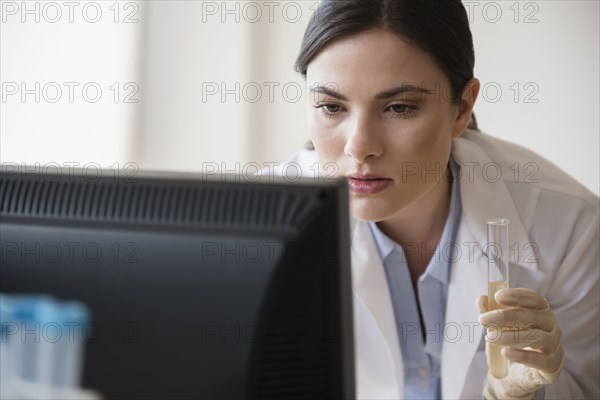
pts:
[555, 227]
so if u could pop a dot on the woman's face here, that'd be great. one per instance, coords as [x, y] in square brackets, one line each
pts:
[380, 111]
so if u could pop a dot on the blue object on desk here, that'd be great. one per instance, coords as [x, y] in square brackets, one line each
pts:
[42, 339]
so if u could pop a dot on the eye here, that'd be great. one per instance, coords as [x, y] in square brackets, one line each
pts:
[401, 110]
[329, 109]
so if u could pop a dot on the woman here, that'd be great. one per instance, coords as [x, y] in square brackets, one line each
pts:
[392, 94]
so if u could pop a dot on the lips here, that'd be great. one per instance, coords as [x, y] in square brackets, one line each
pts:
[367, 183]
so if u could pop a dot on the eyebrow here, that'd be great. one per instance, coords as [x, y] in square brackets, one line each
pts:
[404, 88]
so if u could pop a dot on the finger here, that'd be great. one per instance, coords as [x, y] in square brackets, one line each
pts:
[518, 319]
[482, 304]
[529, 339]
[521, 297]
[548, 363]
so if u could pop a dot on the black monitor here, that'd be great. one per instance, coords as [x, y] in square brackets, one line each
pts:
[197, 288]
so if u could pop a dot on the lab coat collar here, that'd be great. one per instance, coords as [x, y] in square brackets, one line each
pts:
[379, 373]
[462, 331]
[385, 245]
[483, 197]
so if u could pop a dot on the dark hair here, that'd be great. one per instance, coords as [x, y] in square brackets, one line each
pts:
[439, 27]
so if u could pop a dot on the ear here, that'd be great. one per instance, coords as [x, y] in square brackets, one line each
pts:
[465, 107]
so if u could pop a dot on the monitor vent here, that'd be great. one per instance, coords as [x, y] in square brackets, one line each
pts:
[183, 204]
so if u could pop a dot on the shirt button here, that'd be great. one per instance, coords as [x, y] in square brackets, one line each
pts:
[423, 373]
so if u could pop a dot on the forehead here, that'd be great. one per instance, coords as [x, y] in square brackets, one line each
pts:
[372, 61]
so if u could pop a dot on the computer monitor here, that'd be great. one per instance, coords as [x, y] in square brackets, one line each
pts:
[197, 288]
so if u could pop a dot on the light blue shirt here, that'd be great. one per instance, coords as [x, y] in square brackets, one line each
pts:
[422, 358]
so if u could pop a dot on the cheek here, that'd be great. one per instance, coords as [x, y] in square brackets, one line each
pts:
[428, 140]
[326, 138]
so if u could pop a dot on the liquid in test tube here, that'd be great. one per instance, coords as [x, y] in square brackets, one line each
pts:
[497, 249]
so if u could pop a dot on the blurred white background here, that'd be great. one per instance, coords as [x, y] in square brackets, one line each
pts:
[182, 85]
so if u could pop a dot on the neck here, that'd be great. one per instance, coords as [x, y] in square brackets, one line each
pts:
[419, 227]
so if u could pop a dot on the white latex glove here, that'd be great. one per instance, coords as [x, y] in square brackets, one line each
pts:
[533, 343]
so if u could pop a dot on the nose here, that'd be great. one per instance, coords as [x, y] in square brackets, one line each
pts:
[363, 140]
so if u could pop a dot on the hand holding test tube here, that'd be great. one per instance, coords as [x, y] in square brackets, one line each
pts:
[521, 328]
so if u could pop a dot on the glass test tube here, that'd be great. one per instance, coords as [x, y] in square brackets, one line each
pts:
[498, 258]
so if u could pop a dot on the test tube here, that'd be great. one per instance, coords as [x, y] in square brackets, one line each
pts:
[497, 251]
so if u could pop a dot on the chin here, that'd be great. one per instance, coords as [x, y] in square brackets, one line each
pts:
[362, 210]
